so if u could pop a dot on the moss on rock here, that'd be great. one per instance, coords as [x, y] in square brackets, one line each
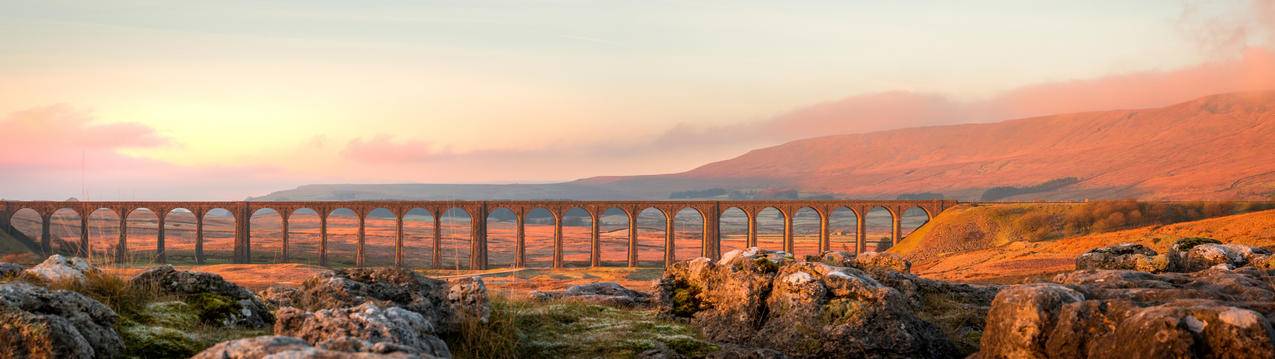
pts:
[214, 308]
[146, 341]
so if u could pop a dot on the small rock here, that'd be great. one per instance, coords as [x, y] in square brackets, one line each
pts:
[361, 328]
[58, 269]
[606, 293]
[279, 347]
[220, 300]
[386, 286]
[881, 260]
[1119, 256]
[56, 323]
[468, 297]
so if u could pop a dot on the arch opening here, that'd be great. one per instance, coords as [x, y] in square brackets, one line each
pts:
[142, 240]
[179, 236]
[266, 236]
[805, 236]
[418, 238]
[457, 238]
[343, 237]
[538, 231]
[913, 219]
[379, 234]
[304, 236]
[64, 228]
[502, 238]
[614, 230]
[30, 224]
[219, 236]
[577, 237]
[733, 229]
[104, 235]
[688, 230]
[651, 237]
[880, 227]
[842, 229]
[770, 229]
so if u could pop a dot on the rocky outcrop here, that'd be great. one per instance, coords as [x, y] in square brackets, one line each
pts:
[428, 297]
[57, 268]
[280, 296]
[468, 298]
[275, 346]
[38, 322]
[219, 301]
[1217, 312]
[606, 293]
[1121, 256]
[759, 298]
[1208, 255]
[867, 261]
[364, 328]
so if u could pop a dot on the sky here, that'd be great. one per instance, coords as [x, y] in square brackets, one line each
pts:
[229, 99]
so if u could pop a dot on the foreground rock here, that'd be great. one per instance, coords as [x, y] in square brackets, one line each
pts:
[431, 298]
[364, 328]
[606, 293]
[285, 347]
[57, 268]
[1216, 312]
[8, 270]
[759, 298]
[867, 261]
[37, 322]
[1186, 255]
[218, 301]
[1121, 256]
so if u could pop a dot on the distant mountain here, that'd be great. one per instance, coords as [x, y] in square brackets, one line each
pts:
[1217, 147]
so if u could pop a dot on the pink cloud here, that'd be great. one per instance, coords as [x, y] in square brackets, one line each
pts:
[57, 136]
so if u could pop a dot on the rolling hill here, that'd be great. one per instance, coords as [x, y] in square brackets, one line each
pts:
[1216, 147]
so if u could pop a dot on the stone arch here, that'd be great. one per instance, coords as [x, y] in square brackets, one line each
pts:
[613, 228]
[577, 236]
[304, 235]
[913, 218]
[142, 240]
[502, 237]
[538, 226]
[64, 230]
[651, 236]
[733, 229]
[179, 235]
[380, 232]
[27, 221]
[843, 228]
[806, 222]
[879, 228]
[104, 235]
[220, 225]
[343, 236]
[457, 238]
[770, 228]
[265, 228]
[418, 238]
[688, 237]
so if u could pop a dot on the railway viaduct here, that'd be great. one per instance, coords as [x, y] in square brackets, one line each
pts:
[478, 211]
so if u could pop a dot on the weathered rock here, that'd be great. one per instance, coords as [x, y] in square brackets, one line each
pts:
[873, 261]
[468, 298]
[58, 269]
[1185, 244]
[362, 328]
[1208, 255]
[158, 341]
[10, 269]
[220, 301]
[837, 258]
[387, 286]
[759, 298]
[37, 322]
[280, 347]
[606, 293]
[279, 296]
[1119, 256]
[1119, 313]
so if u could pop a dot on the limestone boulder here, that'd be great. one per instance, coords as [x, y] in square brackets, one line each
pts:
[409, 290]
[367, 327]
[875, 261]
[1209, 255]
[224, 302]
[1119, 256]
[606, 293]
[468, 299]
[58, 268]
[38, 322]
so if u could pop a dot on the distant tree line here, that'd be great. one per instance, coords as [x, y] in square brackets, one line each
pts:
[998, 193]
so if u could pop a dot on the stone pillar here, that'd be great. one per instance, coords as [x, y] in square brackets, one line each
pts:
[478, 239]
[46, 235]
[861, 232]
[789, 245]
[633, 239]
[595, 242]
[398, 238]
[199, 237]
[557, 241]
[438, 240]
[360, 247]
[159, 238]
[896, 230]
[245, 234]
[670, 249]
[121, 249]
[825, 238]
[752, 230]
[520, 240]
[84, 234]
[285, 215]
[323, 238]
